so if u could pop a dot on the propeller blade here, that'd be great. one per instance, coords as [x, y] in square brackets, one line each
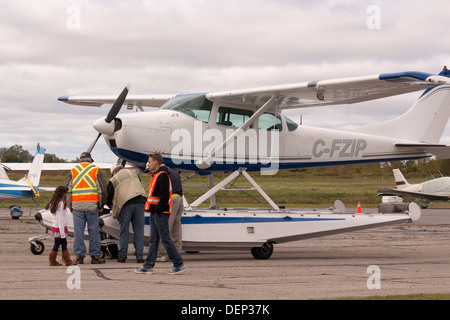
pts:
[117, 105]
[112, 113]
[93, 143]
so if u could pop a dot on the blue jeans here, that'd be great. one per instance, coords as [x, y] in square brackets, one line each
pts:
[80, 218]
[159, 230]
[133, 213]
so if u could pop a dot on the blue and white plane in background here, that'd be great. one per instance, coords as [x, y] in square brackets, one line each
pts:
[244, 130]
[27, 187]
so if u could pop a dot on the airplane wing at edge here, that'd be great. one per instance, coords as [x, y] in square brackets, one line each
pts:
[295, 95]
[138, 100]
[408, 194]
[332, 92]
[56, 166]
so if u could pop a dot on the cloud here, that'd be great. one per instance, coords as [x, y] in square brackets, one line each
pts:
[52, 48]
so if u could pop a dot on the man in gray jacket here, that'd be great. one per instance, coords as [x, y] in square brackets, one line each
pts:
[126, 198]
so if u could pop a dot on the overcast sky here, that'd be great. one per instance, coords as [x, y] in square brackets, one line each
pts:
[52, 48]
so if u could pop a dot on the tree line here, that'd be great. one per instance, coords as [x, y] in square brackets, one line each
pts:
[17, 153]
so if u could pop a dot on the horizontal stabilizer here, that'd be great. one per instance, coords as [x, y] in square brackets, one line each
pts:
[409, 194]
[15, 188]
[439, 150]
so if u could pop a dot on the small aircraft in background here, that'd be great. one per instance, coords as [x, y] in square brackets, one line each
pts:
[436, 189]
[27, 187]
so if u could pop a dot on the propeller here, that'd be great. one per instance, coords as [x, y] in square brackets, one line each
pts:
[114, 111]
[104, 126]
[93, 143]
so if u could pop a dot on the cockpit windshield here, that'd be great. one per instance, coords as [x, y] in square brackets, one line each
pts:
[291, 125]
[194, 105]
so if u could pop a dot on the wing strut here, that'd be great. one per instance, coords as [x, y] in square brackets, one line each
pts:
[206, 162]
[225, 181]
[31, 186]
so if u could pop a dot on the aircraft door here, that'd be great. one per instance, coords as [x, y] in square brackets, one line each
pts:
[270, 139]
[260, 143]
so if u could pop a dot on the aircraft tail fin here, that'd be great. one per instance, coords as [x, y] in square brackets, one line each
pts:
[34, 174]
[400, 180]
[424, 122]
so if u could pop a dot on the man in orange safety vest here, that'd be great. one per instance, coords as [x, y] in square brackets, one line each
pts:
[87, 196]
[159, 203]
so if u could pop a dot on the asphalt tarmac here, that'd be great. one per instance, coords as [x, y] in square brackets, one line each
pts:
[400, 259]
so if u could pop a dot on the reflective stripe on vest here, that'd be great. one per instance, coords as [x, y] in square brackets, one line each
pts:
[84, 182]
[152, 200]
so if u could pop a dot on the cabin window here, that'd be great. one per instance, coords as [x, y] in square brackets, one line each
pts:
[268, 121]
[194, 105]
[232, 117]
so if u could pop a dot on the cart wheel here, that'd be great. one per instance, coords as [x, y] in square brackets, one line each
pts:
[37, 247]
[263, 252]
[103, 252]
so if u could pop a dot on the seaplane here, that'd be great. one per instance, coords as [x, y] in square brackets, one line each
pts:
[27, 187]
[242, 131]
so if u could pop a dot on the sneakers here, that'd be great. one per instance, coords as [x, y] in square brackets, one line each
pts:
[178, 270]
[143, 270]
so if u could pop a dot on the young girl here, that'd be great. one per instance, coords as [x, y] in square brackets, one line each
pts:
[58, 207]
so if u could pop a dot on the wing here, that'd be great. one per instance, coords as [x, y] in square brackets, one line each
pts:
[296, 95]
[55, 166]
[332, 92]
[138, 100]
[408, 194]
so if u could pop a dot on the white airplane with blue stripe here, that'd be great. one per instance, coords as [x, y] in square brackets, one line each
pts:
[28, 186]
[244, 130]
[228, 130]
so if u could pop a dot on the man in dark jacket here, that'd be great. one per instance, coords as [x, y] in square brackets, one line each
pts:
[159, 203]
[175, 228]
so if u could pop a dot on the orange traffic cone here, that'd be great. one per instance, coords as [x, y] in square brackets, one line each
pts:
[358, 209]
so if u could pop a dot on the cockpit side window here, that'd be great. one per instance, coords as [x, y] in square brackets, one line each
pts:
[232, 117]
[268, 121]
[194, 105]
